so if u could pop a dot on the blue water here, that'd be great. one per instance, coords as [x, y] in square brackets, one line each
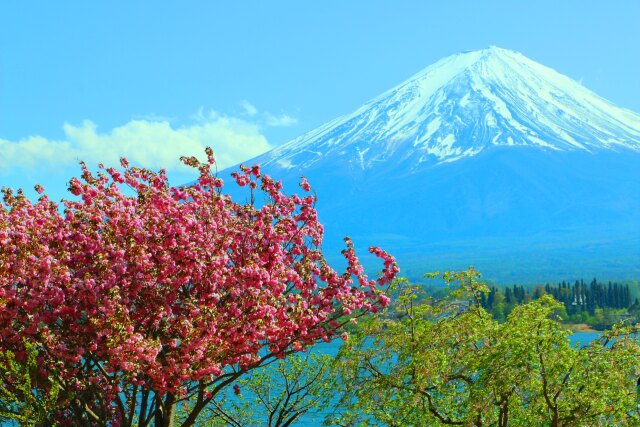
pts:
[583, 338]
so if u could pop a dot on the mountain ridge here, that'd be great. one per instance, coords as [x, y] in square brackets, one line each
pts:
[461, 105]
[502, 163]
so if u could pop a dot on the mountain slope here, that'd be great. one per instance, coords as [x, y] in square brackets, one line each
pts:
[462, 105]
[481, 155]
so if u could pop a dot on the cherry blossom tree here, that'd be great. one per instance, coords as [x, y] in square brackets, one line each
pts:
[144, 301]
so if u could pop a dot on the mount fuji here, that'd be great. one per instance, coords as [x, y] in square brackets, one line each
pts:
[484, 158]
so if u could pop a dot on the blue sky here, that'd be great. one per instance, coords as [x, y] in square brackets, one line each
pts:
[154, 80]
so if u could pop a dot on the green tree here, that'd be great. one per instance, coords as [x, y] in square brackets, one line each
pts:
[277, 395]
[565, 386]
[447, 363]
[26, 396]
[419, 367]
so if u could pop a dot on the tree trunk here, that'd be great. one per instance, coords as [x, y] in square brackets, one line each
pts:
[169, 410]
[158, 418]
[191, 419]
[503, 420]
[165, 411]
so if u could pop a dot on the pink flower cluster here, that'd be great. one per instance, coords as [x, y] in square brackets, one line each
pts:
[171, 284]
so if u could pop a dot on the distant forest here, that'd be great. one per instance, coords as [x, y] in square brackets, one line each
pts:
[597, 304]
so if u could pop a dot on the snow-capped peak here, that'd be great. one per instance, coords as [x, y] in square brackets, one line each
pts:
[460, 106]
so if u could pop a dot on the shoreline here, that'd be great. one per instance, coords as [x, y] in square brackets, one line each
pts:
[579, 327]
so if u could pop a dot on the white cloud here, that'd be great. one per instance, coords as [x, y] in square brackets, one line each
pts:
[268, 119]
[249, 108]
[282, 120]
[148, 143]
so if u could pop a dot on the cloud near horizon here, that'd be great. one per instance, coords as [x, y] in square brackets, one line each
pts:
[268, 119]
[147, 143]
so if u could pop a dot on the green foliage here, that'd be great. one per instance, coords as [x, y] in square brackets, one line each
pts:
[449, 362]
[422, 361]
[276, 395]
[597, 304]
[24, 396]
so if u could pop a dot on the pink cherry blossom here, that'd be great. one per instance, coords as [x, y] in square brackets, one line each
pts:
[168, 289]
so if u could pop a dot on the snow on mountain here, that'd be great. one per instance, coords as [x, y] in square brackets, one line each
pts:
[460, 106]
[484, 158]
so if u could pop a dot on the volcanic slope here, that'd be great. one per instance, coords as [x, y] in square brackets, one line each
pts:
[485, 158]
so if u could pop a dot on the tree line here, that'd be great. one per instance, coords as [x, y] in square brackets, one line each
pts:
[595, 303]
